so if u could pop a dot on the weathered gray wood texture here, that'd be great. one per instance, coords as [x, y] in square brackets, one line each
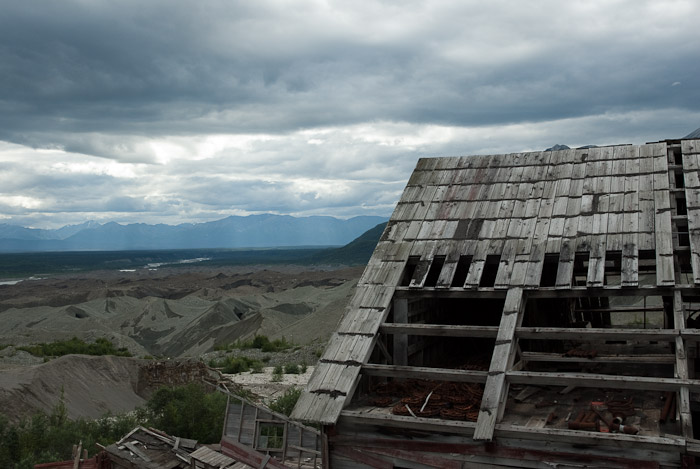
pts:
[603, 203]
[242, 425]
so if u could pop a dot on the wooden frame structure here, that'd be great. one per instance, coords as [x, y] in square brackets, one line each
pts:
[298, 446]
[572, 277]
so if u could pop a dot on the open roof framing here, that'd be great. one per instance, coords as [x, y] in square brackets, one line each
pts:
[517, 256]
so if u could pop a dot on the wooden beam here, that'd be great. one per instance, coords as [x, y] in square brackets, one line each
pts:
[549, 292]
[400, 355]
[496, 389]
[682, 367]
[617, 440]
[668, 443]
[437, 374]
[558, 357]
[541, 333]
[601, 381]
[556, 333]
[439, 330]
[621, 309]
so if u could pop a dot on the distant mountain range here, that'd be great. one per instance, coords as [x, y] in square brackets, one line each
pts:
[254, 231]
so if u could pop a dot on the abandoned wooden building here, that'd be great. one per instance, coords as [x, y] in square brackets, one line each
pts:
[524, 310]
[261, 438]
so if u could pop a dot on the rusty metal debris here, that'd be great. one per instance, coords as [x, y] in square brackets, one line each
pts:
[453, 401]
[581, 353]
[591, 419]
[431, 399]
[620, 408]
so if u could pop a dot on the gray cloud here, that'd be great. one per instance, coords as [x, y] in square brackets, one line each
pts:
[174, 111]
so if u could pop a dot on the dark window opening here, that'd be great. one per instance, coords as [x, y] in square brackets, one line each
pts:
[461, 271]
[581, 260]
[434, 272]
[681, 205]
[549, 270]
[684, 262]
[680, 181]
[452, 352]
[677, 155]
[488, 276]
[683, 235]
[549, 312]
[409, 270]
[613, 268]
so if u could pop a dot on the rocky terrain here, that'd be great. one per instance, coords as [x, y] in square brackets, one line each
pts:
[168, 313]
[177, 312]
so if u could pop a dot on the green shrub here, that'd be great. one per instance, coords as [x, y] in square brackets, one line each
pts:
[184, 411]
[277, 374]
[59, 348]
[188, 412]
[256, 367]
[286, 402]
[291, 369]
[44, 437]
[235, 365]
[260, 342]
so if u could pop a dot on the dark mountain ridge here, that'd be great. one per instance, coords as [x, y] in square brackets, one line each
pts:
[254, 231]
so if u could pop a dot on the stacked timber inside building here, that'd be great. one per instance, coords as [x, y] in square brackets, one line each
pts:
[524, 310]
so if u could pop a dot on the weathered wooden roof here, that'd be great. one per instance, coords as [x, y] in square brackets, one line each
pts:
[518, 208]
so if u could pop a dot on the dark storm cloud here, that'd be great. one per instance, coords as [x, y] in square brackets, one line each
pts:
[171, 67]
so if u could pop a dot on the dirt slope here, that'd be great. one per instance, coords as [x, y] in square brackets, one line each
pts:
[92, 386]
[177, 312]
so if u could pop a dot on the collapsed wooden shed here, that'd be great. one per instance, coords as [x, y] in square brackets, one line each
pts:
[262, 438]
[524, 310]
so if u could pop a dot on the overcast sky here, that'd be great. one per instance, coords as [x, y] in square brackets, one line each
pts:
[166, 111]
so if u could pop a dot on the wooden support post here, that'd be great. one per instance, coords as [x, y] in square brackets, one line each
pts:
[496, 389]
[76, 460]
[228, 409]
[400, 340]
[683, 398]
[240, 422]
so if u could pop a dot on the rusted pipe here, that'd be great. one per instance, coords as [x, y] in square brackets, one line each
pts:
[585, 425]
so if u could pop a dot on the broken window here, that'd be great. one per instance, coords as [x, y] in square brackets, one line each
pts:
[488, 277]
[461, 271]
[270, 435]
[409, 270]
